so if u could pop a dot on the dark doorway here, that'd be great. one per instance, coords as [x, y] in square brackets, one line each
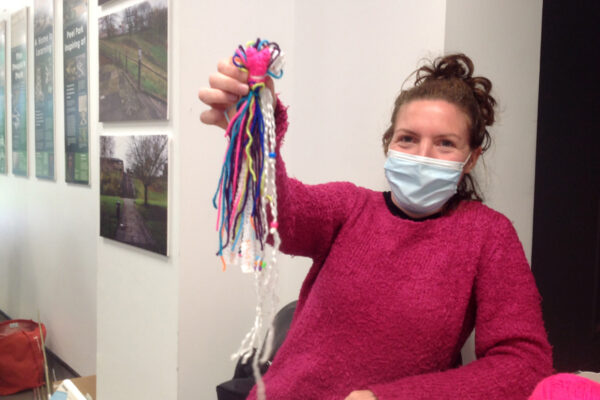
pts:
[566, 226]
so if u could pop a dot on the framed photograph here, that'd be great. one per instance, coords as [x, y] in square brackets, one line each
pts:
[134, 63]
[134, 192]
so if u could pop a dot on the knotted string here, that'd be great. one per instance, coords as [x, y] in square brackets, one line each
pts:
[246, 185]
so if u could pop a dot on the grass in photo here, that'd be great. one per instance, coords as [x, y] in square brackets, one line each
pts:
[133, 55]
[134, 190]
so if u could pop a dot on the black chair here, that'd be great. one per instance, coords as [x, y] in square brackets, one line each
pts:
[242, 382]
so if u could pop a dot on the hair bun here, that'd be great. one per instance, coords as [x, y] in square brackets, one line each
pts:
[460, 67]
[457, 66]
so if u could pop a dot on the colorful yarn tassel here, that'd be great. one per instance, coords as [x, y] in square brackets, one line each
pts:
[246, 186]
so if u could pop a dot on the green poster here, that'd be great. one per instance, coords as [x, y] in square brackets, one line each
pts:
[76, 91]
[43, 43]
[19, 91]
[3, 167]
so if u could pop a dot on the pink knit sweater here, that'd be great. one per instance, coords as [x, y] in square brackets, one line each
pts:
[389, 302]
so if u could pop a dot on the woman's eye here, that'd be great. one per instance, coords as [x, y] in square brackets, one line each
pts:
[406, 139]
[447, 143]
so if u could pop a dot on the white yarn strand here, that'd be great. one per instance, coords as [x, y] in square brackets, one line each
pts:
[266, 280]
[253, 257]
[247, 242]
[272, 276]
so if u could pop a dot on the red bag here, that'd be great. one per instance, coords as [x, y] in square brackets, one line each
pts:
[21, 358]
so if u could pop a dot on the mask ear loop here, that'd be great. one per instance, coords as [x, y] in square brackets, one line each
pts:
[467, 160]
[465, 163]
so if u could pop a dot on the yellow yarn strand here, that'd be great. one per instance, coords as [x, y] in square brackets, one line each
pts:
[249, 134]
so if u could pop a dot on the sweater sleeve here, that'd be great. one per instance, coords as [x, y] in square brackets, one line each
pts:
[513, 353]
[309, 216]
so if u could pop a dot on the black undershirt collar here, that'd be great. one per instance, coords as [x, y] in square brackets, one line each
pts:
[387, 196]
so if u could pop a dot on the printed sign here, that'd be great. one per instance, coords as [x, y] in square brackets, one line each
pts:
[19, 92]
[3, 167]
[75, 15]
[43, 44]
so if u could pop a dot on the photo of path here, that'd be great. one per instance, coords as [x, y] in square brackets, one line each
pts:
[134, 190]
[133, 55]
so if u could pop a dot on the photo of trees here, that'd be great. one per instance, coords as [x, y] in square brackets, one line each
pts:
[133, 54]
[134, 190]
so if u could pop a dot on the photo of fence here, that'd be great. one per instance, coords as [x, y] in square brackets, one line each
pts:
[133, 54]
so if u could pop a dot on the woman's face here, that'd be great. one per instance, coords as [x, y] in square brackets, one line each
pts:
[435, 129]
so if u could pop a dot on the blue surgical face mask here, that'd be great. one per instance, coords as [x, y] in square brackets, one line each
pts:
[422, 185]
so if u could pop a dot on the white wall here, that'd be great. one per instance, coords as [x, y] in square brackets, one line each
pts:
[110, 308]
[345, 64]
[48, 233]
[137, 290]
[503, 38]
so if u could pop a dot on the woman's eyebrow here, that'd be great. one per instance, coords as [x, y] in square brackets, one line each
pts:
[452, 135]
[406, 131]
[445, 134]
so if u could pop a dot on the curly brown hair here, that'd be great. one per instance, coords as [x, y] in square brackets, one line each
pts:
[450, 78]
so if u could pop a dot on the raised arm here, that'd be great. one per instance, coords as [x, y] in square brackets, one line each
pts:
[309, 216]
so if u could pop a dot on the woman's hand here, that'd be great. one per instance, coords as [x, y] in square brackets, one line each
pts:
[227, 85]
[361, 395]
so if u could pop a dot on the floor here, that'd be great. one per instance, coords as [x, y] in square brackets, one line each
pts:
[57, 368]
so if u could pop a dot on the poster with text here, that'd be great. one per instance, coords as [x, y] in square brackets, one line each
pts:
[3, 167]
[43, 44]
[18, 69]
[134, 190]
[134, 63]
[75, 17]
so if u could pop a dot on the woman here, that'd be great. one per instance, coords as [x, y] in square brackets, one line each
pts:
[399, 279]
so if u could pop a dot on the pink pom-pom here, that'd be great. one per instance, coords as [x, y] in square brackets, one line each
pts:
[257, 63]
[566, 386]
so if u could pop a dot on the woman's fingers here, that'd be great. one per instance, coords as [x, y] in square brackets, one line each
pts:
[229, 78]
[222, 96]
[226, 67]
[216, 98]
[227, 86]
[214, 117]
[361, 395]
[219, 102]
[220, 81]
